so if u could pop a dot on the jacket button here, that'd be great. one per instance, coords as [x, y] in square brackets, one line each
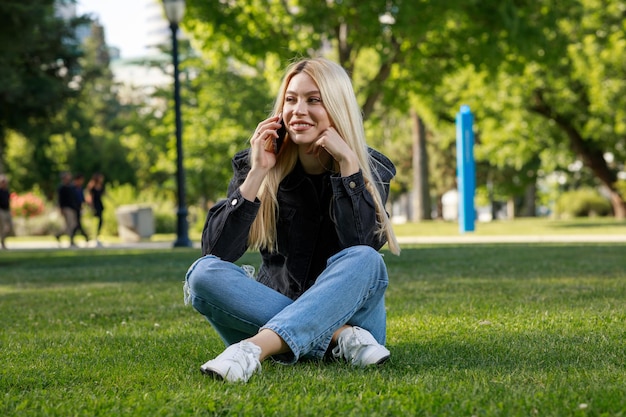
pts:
[352, 184]
[234, 202]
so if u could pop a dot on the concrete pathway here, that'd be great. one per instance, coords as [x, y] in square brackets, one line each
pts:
[405, 240]
[470, 238]
[47, 245]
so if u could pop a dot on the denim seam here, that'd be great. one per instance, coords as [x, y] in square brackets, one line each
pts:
[221, 310]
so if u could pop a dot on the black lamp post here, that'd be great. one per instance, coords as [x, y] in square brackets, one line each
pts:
[174, 11]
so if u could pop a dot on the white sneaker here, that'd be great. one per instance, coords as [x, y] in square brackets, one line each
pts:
[237, 363]
[358, 347]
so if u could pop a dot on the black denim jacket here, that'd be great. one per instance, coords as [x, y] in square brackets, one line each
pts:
[318, 216]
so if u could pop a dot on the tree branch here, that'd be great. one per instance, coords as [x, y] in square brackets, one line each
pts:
[375, 90]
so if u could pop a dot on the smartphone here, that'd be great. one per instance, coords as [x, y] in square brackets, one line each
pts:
[275, 144]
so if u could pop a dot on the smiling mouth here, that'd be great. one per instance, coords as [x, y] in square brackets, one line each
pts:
[300, 126]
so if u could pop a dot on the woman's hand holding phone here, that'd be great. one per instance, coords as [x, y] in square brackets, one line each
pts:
[263, 157]
[274, 144]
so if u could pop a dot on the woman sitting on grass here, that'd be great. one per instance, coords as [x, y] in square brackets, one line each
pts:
[315, 208]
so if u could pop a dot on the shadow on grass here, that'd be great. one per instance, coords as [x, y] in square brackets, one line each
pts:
[512, 351]
[426, 262]
[508, 261]
[66, 267]
[587, 224]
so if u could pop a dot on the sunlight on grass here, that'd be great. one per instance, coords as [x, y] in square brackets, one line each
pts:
[522, 226]
[485, 330]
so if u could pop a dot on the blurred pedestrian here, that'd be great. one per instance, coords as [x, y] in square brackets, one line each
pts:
[95, 191]
[79, 201]
[6, 222]
[66, 197]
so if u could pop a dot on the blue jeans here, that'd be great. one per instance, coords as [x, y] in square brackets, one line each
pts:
[350, 291]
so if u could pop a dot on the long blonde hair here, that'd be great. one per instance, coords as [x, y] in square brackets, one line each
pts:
[345, 114]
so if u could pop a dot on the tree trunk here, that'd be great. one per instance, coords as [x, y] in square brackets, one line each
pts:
[530, 201]
[510, 208]
[619, 206]
[439, 204]
[421, 191]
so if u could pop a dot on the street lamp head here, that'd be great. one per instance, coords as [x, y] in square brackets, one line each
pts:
[174, 10]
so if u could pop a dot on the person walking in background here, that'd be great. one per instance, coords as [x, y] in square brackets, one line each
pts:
[6, 222]
[79, 200]
[66, 200]
[95, 191]
[315, 208]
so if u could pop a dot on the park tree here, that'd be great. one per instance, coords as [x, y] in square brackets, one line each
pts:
[79, 133]
[92, 122]
[584, 93]
[562, 102]
[219, 103]
[392, 50]
[218, 124]
[397, 52]
[38, 62]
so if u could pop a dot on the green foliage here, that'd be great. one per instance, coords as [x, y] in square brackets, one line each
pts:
[37, 64]
[489, 330]
[17, 152]
[433, 57]
[544, 79]
[575, 89]
[162, 204]
[621, 187]
[81, 133]
[219, 124]
[221, 105]
[582, 202]
[94, 119]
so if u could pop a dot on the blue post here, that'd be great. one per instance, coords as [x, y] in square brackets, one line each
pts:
[466, 168]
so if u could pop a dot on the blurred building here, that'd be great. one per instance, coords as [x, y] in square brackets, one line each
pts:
[140, 75]
[65, 9]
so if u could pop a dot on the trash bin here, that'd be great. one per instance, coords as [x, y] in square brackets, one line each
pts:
[134, 222]
[450, 203]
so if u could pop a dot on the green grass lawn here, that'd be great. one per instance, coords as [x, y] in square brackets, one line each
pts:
[474, 330]
[521, 226]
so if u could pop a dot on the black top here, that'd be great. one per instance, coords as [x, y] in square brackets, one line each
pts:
[96, 199]
[67, 196]
[4, 199]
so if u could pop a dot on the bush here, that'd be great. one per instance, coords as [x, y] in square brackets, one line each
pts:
[165, 221]
[26, 205]
[584, 202]
[33, 216]
[166, 218]
[163, 206]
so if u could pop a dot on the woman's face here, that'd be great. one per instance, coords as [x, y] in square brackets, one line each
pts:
[303, 110]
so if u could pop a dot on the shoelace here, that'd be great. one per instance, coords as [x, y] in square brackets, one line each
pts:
[249, 270]
[247, 359]
[348, 347]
